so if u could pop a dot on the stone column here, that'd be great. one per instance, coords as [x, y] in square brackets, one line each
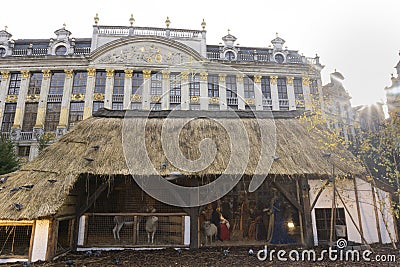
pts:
[109, 88]
[5, 79]
[41, 113]
[203, 91]
[185, 99]
[274, 92]
[165, 90]
[127, 89]
[65, 103]
[240, 91]
[306, 92]
[90, 84]
[146, 89]
[222, 92]
[23, 90]
[290, 92]
[257, 92]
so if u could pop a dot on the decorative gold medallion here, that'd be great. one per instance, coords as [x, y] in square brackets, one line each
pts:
[136, 98]
[195, 99]
[98, 96]
[214, 100]
[155, 98]
[11, 98]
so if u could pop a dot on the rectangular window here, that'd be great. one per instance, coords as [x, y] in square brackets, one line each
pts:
[231, 88]
[119, 80]
[194, 85]
[57, 83]
[248, 85]
[8, 117]
[175, 106]
[35, 83]
[194, 107]
[117, 105]
[323, 222]
[266, 87]
[15, 84]
[213, 107]
[156, 84]
[175, 84]
[314, 87]
[23, 151]
[15, 240]
[137, 83]
[97, 105]
[298, 89]
[155, 106]
[79, 85]
[213, 86]
[75, 113]
[136, 106]
[282, 89]
[29, 117]
[100, 84]
[52, 116]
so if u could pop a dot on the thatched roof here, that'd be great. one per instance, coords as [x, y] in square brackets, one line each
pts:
[99, 140]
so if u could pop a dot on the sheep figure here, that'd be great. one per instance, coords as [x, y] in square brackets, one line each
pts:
[151, 228]
[210, 230]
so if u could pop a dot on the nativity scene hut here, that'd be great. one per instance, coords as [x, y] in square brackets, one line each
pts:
[73, 194]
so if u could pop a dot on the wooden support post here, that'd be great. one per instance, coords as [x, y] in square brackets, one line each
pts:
[319, 193]
[333, 221]
[52, 240]
[300, 214]
[91, 200]
[307, 223]
[378, 226]
[194, 226]
[358, 205]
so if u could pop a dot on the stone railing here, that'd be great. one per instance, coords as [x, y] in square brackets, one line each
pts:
[175, 99]
[25, 136]
[148, 31]
[54, 98]
[232, 100]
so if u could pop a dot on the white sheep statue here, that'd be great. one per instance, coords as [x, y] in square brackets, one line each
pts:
[210, 230]
[151, 228]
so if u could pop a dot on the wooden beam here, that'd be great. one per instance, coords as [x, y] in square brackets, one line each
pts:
[358, 205]
[194, 226]
[91, 200]
[319, 194]
[300, 215]
[289, 197]
[305, 200]
[378, 226]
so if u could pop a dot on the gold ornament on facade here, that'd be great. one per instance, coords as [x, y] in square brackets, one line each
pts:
[257, 78]
[203, 24]
[131, 20]
[5, 74]
[250, 101]
[109, 72]
[25, 73]
[155, 98]
[273, 79]
[195, 99]
[136, 98]
[128, 73]
[222, 77]
[77, 97]
[69, 73]
[167, 22]
[203, 76]
[32, 98]
[158, 58]
[11, 98]
[289, 79]
[96, 19]
[46, 73]
[149, 60]
[184, 75]
[91, 71]
[98, 96]
[239, 78]
[306, 81]
[146, 73]
[214, 100]
[166, 74]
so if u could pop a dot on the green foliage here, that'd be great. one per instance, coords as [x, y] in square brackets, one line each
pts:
[8, 157]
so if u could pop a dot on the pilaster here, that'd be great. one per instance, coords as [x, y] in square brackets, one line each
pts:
[146, 89]
[274, 92]
[165, 90]
[109, 88]
[5, 79]
[307, 93]
[23, 90]
[290, 92]
[203, 91]
[65, 103]
[90, 84]
[240, 91]
[127, 89]
[44, 91]
[257, 92]
[223, 105]
[185, 99]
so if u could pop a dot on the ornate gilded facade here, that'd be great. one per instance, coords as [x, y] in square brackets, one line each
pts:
[47, 85]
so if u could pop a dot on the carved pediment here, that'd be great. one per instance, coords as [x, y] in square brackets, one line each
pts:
[144, 53]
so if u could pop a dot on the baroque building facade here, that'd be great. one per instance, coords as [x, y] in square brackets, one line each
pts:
[47, 85]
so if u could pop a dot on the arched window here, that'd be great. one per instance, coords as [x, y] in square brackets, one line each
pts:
[229, 55]
[279, 58]
[2, 52]
[61, 50]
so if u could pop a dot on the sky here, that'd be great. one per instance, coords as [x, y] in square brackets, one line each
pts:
[360, 39]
